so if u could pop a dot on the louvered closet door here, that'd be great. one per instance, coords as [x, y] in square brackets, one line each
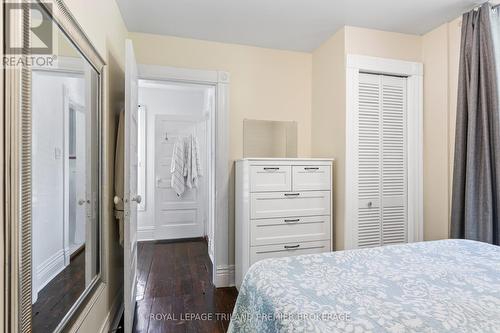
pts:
[394, 179]
[381, 157]
[369, 231]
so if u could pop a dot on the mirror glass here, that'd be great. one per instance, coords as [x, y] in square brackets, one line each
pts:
[65, 183]
[268, 139]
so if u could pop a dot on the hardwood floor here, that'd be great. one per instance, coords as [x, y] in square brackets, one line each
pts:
[174, 283]
[59, 295]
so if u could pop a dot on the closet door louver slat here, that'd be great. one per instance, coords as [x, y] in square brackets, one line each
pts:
[381, 157]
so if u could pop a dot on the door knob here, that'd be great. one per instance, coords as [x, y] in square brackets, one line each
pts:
[137, 199]
[370, 204]
[81, 202]
[117, 200]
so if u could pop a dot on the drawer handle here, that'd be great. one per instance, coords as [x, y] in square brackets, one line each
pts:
[291, 221]
[311, 168]
[291, 247]
[271, 169]
[292, 194]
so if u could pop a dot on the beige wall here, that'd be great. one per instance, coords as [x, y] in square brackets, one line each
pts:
[106, 30]
[441, 51]
[328, 118]
[436, 168]
[265, 84]
[383, 44]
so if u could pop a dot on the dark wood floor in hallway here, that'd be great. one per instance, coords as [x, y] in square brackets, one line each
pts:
[174, 281]
[59, 295]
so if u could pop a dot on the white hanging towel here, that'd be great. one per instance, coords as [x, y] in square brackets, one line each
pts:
[188, 162]
[177, 167]
[192, 168]
[196, 171]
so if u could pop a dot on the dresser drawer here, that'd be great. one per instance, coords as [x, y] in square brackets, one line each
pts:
[288, 204]
[311, 178]
[286, 250]
[269, 178]
[285, 230]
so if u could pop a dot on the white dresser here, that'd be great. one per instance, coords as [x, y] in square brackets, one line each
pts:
[283, 207]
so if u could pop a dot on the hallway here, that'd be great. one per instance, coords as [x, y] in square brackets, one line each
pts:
[174, 282]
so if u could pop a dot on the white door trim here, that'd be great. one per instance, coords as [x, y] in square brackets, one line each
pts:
[414, 73]
[68, 103]
[220, 148]
[66, 107]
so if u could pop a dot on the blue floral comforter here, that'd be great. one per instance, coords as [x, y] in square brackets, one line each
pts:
[441, 286]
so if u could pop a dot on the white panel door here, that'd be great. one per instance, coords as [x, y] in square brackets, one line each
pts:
[175, 216]
[381, 159]
[131, 198]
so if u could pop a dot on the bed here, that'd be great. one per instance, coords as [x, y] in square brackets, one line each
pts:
[439, 286]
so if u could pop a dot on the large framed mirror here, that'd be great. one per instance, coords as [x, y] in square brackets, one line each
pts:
[53, 178]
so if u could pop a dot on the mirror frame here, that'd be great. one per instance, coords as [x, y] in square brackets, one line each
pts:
[17, 240]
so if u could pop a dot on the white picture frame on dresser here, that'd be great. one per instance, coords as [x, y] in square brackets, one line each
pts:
[283, 207]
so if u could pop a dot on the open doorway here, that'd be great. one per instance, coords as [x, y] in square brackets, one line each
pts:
[173, 114]
[175, 251]
[76, 177]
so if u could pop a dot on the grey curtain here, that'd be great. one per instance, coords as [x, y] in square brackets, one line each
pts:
[476, 179]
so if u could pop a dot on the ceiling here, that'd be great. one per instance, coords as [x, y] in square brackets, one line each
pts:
[300, 25]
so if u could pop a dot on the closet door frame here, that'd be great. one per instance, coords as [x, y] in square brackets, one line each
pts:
[413, 71]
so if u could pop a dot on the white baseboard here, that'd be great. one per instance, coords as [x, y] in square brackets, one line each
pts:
[48, 270]
[112, 318]
[75, 247]
[146, 233]
[70, 250]
[224, 276]
[67, 256]
[211, 256]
